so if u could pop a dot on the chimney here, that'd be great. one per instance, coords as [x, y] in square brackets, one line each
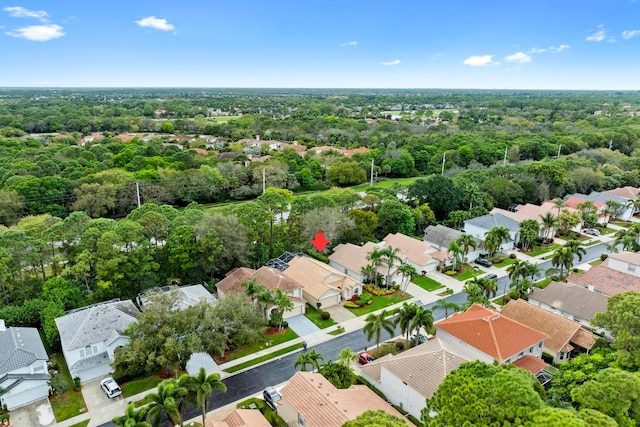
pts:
[2, 326]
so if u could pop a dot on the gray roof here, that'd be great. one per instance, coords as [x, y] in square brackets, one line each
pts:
[200, 360]
[90, 362]
[572, 299]
[20, 347]
[186, 296]
[95, 323]
[489, 221]
[441, 236]
[596, 196]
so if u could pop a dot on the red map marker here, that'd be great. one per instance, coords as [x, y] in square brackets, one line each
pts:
[320, 241]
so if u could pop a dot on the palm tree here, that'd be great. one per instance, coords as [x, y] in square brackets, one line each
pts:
[312, 358]
[347, 356]
[390, 256]
[532, 270]
[489, 287]
[375, 258]
[423, 319]
[455, 249]
[496, 237]
[475, 293]
[446, 305]
[635, 204]
[521, 287]
[408, 273]
[472, 194]
[375, 323]
[549, 222]
[132, 418]
[264, 297]
[282, 303]
[456, 218]
[516, 269]
[368, 272]
[166, 402]
[466, 241]
[251, 289]
[201, 386]
[558, 203]
[612, 208]
[406, 313]
[528, 232]
[338, 374]
[563, 258]
[576, 248]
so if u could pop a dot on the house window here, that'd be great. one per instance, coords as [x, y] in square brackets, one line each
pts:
[507, 361]
[82, 352]
[561, 355]
[521, 354]
[540, 345]
[300, 419]
[531, 350]
[38, 368]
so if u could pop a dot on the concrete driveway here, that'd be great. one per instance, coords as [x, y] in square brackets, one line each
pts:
[301, 325]
[36, 414]
[101, 408]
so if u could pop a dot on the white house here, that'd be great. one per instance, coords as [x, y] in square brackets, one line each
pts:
[440, 237]
[624, 262]
[90, 335]
[624, 213]
[184, 296]
[23, 367]
[478, 227]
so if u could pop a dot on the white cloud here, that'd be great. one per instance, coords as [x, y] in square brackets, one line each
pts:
[598, 36]
[559, 49]
[519, 57]
[535, 50]
[38, 33]
[394, 62]
[438, 56]
[479, 61]
[627, 34]
[351, 43]
[21, 12]
[157, 23]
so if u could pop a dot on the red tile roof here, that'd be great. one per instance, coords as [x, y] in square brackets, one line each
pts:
[606, 280]
[531, 363]
[491, 333]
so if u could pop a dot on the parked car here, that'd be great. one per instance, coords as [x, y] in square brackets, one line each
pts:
[111, 387]
[365, 358]
[484, 262]
[591, 231]
[491, 276]
[271, 396]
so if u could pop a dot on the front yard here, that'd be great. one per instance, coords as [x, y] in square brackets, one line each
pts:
[269, 340]
[71, 402]
[380, 302]
[427, 283]
[539, 250]
[467, 272]
[316, 317]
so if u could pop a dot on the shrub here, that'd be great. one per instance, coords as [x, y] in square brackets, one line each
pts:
[366, 297]
[512, 256]
[76, 383]
[361, 303]
[547, 358]
[399, 345]
[604, 256]
[325, 315]
[351, 304]
[450, 273]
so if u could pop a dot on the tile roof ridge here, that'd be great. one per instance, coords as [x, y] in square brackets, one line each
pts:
[493, 335]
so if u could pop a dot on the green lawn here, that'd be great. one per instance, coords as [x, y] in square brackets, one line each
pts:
[591, 243]
[623, 224]
[386, 183]
[445, 293]
[596, 262]
[134, 387]
[380, 302]
[539, 250]
[142, 402]
[84, 423]
[314, 315]
[264, 358]
[268, 341]
[543, 283]
[606, 230]
[70, 403]
[506, 262]
[258, 404]
[467, 272]
[427, 283]
[339, 330]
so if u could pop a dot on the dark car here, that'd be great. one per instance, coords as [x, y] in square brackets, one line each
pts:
[271, 396]
[483, 262]
[365, 358]
[491, 276]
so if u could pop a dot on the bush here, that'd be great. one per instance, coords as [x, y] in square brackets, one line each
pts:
[76, 383]
[366, 297]
[399, 345]
[450, 273]
[361, 303]
[604, 256]
[513, 256]
[547, 358]
[325, 315]
[351, 304]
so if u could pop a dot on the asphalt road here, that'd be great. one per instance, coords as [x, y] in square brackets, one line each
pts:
[253, 381]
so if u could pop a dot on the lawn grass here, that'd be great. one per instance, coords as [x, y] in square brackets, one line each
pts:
[543, 283]
[134, 387]
[84, 423]
[258, 404]
[539, 250]
[71, 403]
[445, 293]
[606, 230]
[268, 341]
[386, 183]
[591, 243]
[145, 400]
[506, 262]
[264, 358]
[624, 224]
[595, 262]
[339, 330]
[427, 283]
[467, 272]
[314, 315]
[380, 302]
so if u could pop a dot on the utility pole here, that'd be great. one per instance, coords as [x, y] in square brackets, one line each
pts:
[504, 161]
[559, 148]
[264, 180]
[138, 193]
[371, 185]
[611, 144]
[444, 158]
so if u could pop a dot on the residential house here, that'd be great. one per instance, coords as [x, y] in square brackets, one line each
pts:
[411, 377]
[605, 280]
[624, 213]
[570, 301]
[310, 400]
[350, 259]
[536, 212]
[573, 201]
[241, 418]
[23, 367]
[478, 227]
[417, 253]
[624, 262]
[271, 278]
[440, 237]
[566, 337]
[90, 335]
[183, 296]
[628, 193]
[322, 285]
[488, 335]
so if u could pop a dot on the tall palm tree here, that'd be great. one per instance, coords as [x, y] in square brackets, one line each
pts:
[563, 258]
[549, 222]
[375, 323]
[467, 242]
[528, 232]
[446, 305]
[635, 204]
[200, 387]
[532, 270]
[521, 286]
[457, 252]
[133, 418]
[408, 273]
[472, 194]
[338, 374]
[559, 204]
[496, 237]
[612, 208]
[282, 303]
[406, 313]
[264, 297]
[475, 293]
[576, 248]
[251, 289]
[390, 256]
[423, 319]
[347, 356]
[166, 402]
[312, 358]
[375, 259]
[516, 269]
[368, 272]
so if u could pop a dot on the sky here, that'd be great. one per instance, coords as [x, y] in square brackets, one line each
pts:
[480, 44]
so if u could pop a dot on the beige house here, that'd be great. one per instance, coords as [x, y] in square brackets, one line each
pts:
[624, 262]
[350, 259]
[241, 418]
[272, 279]
[418, 253]
[565, 336]
[310, 400]
[321, 283]
[570, 301]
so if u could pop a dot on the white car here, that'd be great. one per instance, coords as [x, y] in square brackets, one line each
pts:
[591, 231]
[111, 387]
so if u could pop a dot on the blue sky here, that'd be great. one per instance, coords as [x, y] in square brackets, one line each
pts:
[510, 44]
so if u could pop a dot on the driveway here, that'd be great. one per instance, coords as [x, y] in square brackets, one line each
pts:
[101, 408]
[339, 313]
[36, 414]
[302, 326]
